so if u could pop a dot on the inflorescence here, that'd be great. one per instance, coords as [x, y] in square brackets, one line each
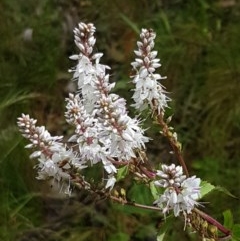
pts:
[105, 134]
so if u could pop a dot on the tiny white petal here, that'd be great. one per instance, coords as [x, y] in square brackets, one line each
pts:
[74, 57]
[110, 183]
[29, 146]
[35, 154]
[126, 136]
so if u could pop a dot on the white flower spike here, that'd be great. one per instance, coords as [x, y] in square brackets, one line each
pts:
[148, 91]
[180, 194]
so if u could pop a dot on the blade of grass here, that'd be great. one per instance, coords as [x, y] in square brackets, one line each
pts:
[130, 23]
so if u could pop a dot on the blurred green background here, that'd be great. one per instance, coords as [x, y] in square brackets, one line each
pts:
[198, 43]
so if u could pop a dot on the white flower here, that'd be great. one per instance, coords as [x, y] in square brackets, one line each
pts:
[88, 71]
[170, 175]
[121, 133]
[48, 168]
[103, 129]
[148, 90]
[38, 136]
[110, 182]
[181, 193]
[54, 158]
[84, 37]
[191, 188]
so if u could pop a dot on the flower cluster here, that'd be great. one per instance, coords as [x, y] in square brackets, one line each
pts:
[54, 158]
[180, 193]
[148, 90]
[104, 134]
[103, 131]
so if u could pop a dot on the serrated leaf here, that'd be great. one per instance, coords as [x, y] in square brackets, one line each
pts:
[122, 172]
[206, 188]
[228, 219]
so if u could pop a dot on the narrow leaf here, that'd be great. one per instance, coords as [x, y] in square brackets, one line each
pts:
[160, 237]
[130, 23]
[224, 190]
[154, 190]
[228, 219]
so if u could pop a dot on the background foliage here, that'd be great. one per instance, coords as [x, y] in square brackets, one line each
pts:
[198, 44]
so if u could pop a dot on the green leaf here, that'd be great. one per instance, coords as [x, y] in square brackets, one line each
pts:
[228, 219]
[236, 231]
[21, 205]
[166, 22]
[160, 236]
[154, 190]
[130, 23]
[16, 98]
[206, 188]
[122, 172]
[224, 190]
[165, 227]
[140, 193]
[120, 236]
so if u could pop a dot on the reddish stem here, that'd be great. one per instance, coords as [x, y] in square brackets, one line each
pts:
[130, 203]
[213, 221]
[173, 142]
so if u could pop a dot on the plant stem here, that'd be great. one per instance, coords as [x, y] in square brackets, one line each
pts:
[176, 146]
[131, 203]
[213, 221]
[203, 215]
